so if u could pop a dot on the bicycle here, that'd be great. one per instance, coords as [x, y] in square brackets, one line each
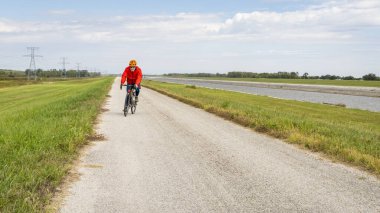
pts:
[130, 101]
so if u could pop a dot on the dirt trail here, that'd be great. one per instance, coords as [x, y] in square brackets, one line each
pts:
[170, 157]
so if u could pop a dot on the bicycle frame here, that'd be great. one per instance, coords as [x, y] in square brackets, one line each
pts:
[130, 101]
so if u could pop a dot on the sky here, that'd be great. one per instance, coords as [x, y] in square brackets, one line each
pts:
[340, 37]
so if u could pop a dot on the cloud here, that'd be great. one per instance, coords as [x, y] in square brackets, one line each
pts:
[7, 26]
[61, 12]
[331, 21]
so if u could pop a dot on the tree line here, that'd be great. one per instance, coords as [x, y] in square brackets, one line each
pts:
[52, 73]
[60, 73]
[283, 75]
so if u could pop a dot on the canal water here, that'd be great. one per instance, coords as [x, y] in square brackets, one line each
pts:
[356, 102]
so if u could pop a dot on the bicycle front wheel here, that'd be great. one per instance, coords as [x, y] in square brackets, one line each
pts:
[126, 105]
[126, 109]
[133, 109]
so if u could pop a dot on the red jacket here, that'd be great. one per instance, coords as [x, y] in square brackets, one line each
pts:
[132, 77]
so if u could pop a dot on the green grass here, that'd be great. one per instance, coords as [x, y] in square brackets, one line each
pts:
[348, 135]
[19, 82]
[300, 81]
[23, 81]
[41, 128]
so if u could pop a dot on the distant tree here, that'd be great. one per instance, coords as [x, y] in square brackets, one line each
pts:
[305, 75]
[11, 74]
[330, 77]
[325, 77]
[84, 73]
[39, 72]
[280, 74]
[370, 77]
[294, 75]
[234, 74]
[313, 77]
[348, 78]
[27, 71]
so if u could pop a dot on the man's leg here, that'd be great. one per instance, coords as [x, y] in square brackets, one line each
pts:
[128, 87]
[137, 92]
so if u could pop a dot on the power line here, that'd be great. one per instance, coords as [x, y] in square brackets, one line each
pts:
[32, 65]
[64, 62]
[78, 74]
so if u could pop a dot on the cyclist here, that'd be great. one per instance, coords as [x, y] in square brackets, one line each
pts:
[133, 75]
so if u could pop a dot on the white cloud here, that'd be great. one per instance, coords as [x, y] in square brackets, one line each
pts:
[327, 21]
[61, 12]
[7, 26]
[336, 20]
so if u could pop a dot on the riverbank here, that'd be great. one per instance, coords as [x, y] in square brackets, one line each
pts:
[333, 89]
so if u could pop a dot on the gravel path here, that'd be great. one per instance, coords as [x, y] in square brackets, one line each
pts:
[170, 157]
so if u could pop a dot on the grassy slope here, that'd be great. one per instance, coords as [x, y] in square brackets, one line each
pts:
[300, 81]
[41, 128]
[348, 135]
[19, 82]
[23, 81]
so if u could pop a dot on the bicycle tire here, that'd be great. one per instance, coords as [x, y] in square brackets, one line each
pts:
[133, 103]
[133, 109]
[126, 111]
[126, 105]
[129, 104]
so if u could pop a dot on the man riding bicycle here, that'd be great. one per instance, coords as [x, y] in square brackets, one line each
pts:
[133, 75]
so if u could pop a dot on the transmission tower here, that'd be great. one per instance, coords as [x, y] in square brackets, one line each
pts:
[78, 73]
[64, 62]
[32, 65]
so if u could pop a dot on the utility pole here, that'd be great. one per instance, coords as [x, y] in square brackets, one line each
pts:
[32, 65]
[64, 62]
[78, 73]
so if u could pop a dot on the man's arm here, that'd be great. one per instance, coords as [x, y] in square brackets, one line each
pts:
[139, 76]
[123, 78]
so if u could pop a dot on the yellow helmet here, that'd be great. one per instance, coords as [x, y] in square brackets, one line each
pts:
[133, 63]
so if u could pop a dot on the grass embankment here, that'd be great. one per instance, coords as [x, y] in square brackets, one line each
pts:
[299, 81]
[19, 82]
[347, 135]
[41, 128]
[23, 81]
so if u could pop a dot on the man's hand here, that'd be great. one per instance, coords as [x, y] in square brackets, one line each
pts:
[121, 86]
[136, 86]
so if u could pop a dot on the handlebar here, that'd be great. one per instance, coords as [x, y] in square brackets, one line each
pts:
[133, 86]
